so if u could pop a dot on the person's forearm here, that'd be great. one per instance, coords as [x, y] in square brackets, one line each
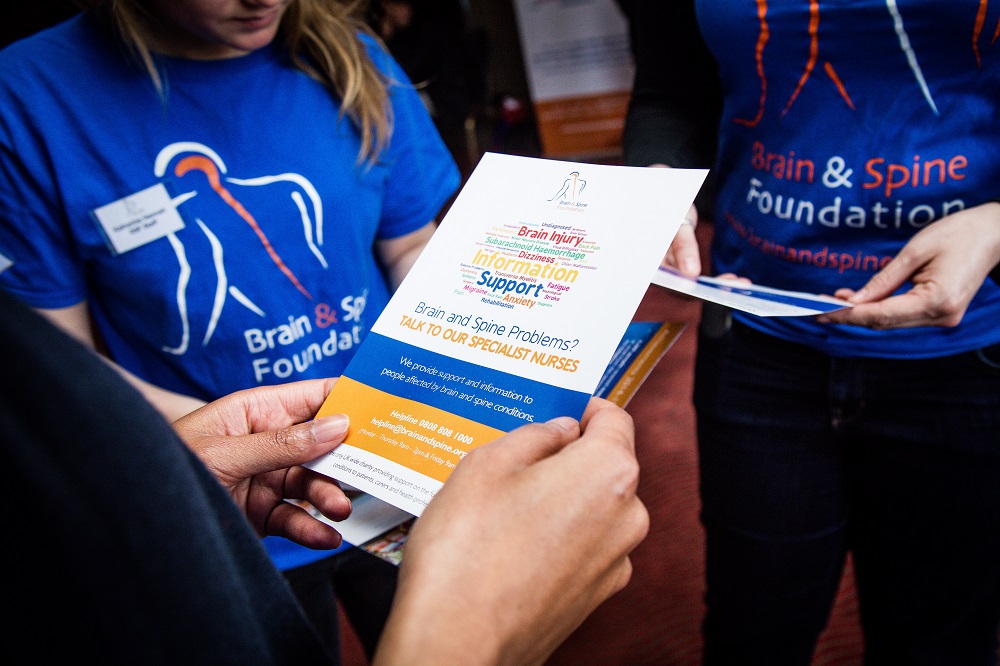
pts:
[676, 101]
[660, 135]
[398, 255]
[170, 404]
[76, 321]
[676, 97]
[412, 638]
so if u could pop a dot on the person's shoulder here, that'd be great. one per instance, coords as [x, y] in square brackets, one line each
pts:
[370, 42]
[378, 53]
[73, 55]
[52, 46]
[67, 31]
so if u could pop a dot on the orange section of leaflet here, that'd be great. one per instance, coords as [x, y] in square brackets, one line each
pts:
[425, 439]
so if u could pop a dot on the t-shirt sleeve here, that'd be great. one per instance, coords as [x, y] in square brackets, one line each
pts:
[422, 172]
[46, 271]
[43, 272]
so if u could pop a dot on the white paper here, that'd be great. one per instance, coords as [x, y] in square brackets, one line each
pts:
[510, 316]
[138, 219]
[370, 517]
[752, 298]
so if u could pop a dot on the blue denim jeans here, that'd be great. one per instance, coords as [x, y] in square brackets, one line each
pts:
[804, 457]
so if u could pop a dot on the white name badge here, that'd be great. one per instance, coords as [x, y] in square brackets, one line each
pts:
[138, 219]
[5, 263]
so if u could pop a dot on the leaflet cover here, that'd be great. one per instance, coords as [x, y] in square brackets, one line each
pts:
[510, 316]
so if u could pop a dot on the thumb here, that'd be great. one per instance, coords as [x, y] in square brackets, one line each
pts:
[529, 443]
[604, 421]
[888, 280]
[244, 456]
[685, 251]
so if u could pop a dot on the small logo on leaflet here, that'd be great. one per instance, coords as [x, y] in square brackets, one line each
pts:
[568, 196]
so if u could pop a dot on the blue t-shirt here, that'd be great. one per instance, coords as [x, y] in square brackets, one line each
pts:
[847, 127]
[272, 277]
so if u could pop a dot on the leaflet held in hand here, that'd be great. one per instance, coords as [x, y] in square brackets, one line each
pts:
[510, 316]
[753, 298]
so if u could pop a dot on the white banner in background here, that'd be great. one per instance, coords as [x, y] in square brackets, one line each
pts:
[579, 68]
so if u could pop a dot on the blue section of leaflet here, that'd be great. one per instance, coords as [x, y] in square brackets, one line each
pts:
[441, 381]
[776, 296]
[635, 338]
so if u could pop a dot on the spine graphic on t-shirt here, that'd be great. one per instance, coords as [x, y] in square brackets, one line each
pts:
[207, 167]
[764, 34]
[977, 31]
[196, 157]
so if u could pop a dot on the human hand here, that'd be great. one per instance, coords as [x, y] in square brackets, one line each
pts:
[526, 538]
[684, 253]
[255, 443]
[946, 261]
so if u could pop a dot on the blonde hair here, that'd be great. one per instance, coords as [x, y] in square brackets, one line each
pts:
[320, 36]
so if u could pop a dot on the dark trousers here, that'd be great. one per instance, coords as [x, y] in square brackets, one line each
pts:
[803, 457]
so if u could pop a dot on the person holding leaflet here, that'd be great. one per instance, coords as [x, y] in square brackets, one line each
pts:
[150, 533]
[218, 195]
[854, 155]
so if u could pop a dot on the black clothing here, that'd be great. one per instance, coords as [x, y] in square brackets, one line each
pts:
[673, 115]
[127, 548]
